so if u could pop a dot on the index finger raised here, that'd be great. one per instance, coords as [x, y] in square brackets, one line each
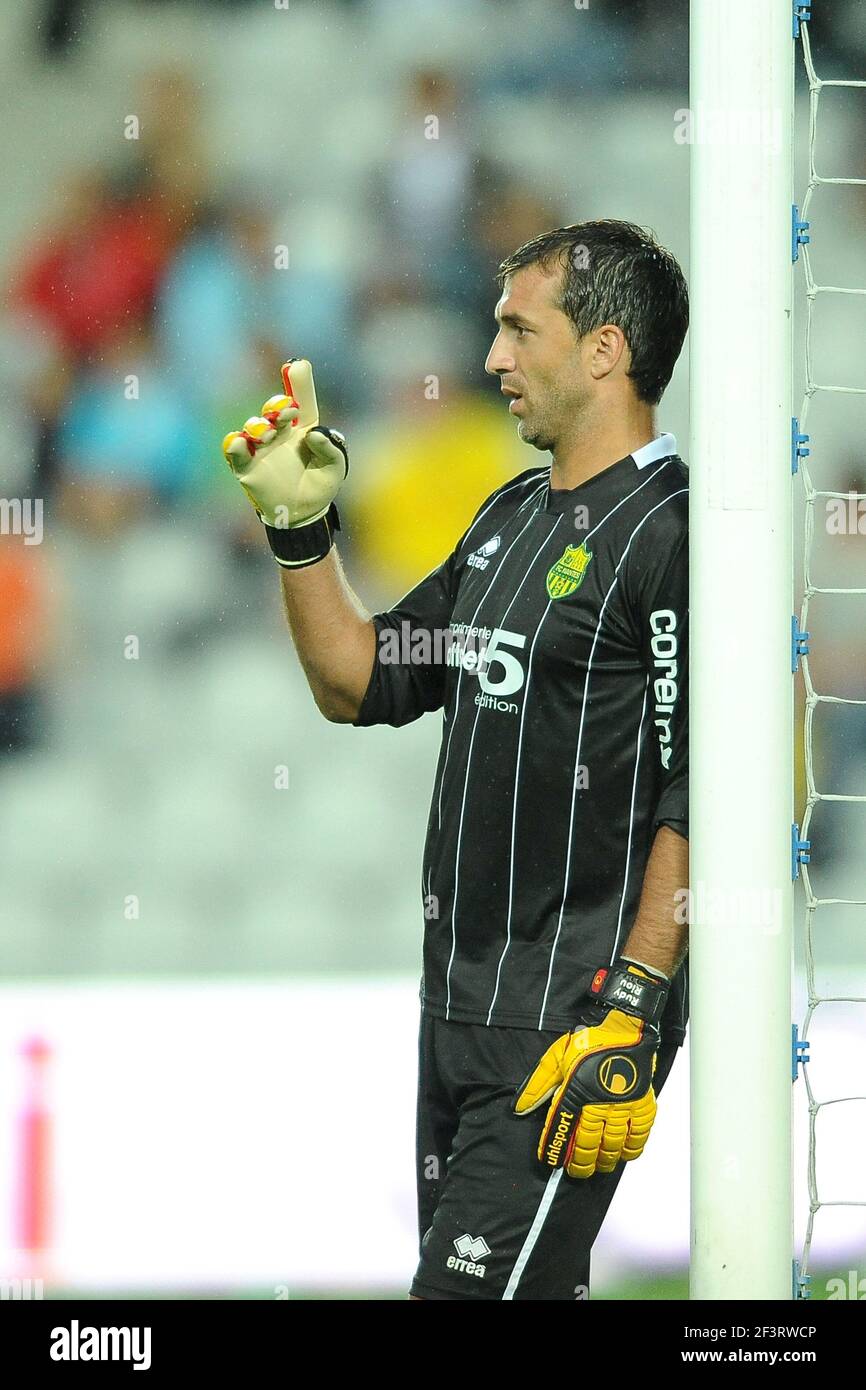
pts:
[298, 382]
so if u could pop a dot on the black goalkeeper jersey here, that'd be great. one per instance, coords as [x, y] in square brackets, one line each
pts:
[554, 639]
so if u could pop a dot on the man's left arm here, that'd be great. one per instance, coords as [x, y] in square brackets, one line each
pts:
[657, 939]
[661, 603]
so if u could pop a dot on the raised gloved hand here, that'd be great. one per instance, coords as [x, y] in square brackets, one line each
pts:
[600, 1076]
[291, 468]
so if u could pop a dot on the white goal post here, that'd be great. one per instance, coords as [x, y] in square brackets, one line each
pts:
[741, 693]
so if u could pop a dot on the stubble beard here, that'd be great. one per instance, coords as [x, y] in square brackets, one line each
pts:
[538, 435]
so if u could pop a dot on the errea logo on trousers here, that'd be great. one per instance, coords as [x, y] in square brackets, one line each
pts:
[476, 1248]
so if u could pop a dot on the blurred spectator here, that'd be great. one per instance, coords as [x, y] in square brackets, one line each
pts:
[433, 451]
[506, 212]
[101, 263]
[249, 289]
[421, 192]
[214, 311]
[421, 476]
[240, 297]
[124, 437]
[23, 640]
[98, 267]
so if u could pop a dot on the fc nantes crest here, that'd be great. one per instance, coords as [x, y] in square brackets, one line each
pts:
[567, 574]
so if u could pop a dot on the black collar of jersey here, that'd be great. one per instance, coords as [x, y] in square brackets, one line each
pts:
[661, 448]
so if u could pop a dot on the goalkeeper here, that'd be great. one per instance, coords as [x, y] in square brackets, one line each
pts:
[554, 987]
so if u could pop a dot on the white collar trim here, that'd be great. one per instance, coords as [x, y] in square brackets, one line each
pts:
[658, 448]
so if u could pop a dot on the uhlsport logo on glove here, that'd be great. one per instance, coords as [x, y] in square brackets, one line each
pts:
[618, 1075]
[560, 1137]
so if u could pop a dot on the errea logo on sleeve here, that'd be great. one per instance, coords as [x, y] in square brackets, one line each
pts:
[663, 623]
[480, 558]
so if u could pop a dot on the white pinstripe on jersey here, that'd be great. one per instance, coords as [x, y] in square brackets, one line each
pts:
[460, 668]
[625, 873]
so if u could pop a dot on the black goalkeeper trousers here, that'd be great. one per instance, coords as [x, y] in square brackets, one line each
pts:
[494, 1223]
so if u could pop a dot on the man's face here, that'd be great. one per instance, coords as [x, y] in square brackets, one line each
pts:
[537, 357]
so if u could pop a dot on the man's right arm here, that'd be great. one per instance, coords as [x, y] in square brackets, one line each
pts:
[291, 468]
[333, 633]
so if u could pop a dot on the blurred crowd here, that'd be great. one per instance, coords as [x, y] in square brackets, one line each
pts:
[153, 308]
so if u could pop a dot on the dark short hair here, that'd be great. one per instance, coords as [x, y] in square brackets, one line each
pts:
[616, 272]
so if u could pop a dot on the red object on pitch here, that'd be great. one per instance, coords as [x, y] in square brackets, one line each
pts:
[33, 1205]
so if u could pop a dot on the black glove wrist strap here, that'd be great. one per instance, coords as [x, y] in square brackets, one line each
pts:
[297, 546]
[617, 987]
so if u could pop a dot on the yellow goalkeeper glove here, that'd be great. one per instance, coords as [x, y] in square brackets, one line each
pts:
[600, 1076]
[291, 468]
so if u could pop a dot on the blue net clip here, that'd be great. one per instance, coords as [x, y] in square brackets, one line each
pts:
[799, 1051]
[798, 444]
[799, 643]
[800, 1282]
[799, 232]
[799, 851]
